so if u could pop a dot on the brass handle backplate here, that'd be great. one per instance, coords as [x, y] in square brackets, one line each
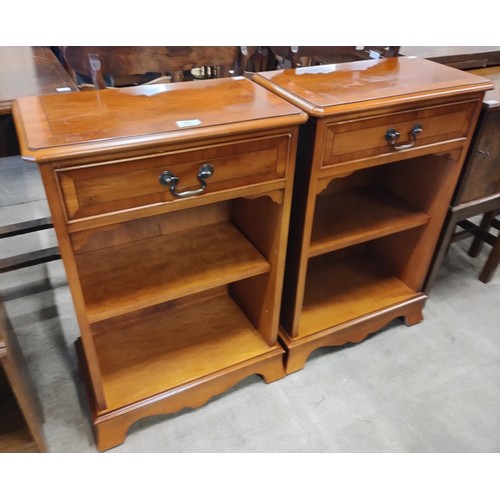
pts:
[168, 178]
[392, 136]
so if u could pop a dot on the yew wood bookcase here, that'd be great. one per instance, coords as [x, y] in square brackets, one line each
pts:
[378, 162]
[171, 205]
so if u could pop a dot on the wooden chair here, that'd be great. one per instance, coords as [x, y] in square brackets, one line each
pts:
[477, 195]
[124, 66]
[258, 59]
[483, 234]
[479, 186]
[315, 55]
[460, 225]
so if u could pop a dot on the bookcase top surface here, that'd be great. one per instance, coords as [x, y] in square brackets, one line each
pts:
[146, 114]
[336, 88]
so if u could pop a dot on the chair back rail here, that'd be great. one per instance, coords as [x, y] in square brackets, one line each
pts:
[103, 64]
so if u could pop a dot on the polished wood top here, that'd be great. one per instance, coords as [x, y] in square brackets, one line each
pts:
[338, 88]
[61, 125]
[492, 97]
[30, 71]
[440, 51]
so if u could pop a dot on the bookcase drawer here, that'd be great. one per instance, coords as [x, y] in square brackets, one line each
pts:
[369, 140]
[96, 189]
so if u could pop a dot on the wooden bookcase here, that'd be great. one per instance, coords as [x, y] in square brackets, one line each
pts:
[378, 162]
[171, 204]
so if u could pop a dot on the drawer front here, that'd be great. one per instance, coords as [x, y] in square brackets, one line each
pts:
[97, 189]
[365, 139]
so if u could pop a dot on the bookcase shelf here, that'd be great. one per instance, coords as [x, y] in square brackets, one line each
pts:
[340, 289]
[171, 345]
[346, 218]
[168, 267]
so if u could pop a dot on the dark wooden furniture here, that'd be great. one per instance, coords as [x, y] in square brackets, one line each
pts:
[27, 259]
[460, 57]
[172, 217]
[22, 188]
[485, 233]
[478, 191]
[20, 412]
[26, 71]
[378, 162]
[309, 55]
[122, 66]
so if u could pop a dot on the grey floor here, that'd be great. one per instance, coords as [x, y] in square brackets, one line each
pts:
[433, 387]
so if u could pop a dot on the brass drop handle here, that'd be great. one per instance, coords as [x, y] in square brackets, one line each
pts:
[392, 135]
[168, 178]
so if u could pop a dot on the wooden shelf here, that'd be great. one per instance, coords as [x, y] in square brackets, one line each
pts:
[342, 289]
[166, 346]
[167, 267]
[346, 218]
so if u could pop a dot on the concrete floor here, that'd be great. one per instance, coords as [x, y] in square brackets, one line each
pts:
[433, 387]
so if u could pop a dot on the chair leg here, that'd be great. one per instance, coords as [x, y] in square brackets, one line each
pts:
[491, 263]
[477, 243]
